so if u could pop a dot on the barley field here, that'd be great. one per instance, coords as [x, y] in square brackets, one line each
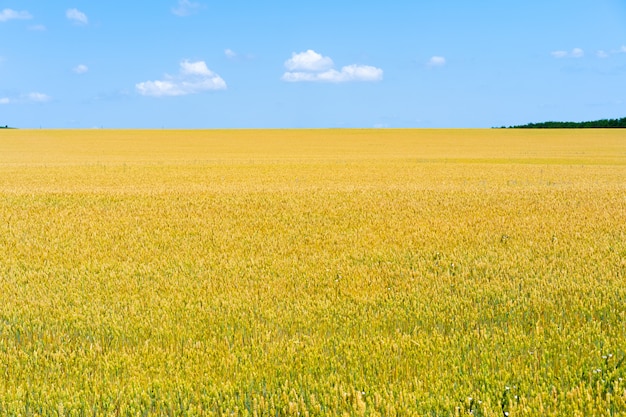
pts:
[313, 273]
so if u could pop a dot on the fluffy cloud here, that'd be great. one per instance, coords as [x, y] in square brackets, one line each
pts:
[437, 61]
[574, 53]
[194, 77]
[186, 8]
[10, 14]
[195, 68]
[77, 16]
[230, 54]
[80, 69]
[309, 66]
[5, 100]
[308, 61]
[347, 73]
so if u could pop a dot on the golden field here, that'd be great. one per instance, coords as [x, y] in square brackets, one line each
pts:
[313, 272]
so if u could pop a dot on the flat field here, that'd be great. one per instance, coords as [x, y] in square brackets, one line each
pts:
[313, 272]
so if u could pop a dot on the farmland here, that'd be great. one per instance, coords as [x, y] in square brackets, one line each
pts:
[313, 272]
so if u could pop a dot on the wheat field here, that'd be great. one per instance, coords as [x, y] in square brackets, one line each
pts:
[313, 273]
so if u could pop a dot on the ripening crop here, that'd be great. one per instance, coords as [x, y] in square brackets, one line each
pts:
[313, 273]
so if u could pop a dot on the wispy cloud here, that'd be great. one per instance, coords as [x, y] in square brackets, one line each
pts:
[38, 97]
[310, 66]
[77, 17]
[574, 53]
[235, 56]
[621, 50]
[577, 53]
[80, 69]
[10, 14]
[37, 28]
[580, 53]
[186, 8]
[436, 61]
[193, 78]
[26, 98]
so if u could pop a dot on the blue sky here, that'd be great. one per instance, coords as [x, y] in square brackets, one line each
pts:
[289, 64]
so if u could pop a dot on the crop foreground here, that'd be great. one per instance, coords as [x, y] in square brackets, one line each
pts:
[313, 272]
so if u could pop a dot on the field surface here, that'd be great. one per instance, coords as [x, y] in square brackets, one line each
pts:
[313, 272]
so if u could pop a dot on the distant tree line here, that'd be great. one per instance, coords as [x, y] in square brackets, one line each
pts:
[596, 124]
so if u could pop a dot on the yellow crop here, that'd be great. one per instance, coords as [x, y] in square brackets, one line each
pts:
[313, 272]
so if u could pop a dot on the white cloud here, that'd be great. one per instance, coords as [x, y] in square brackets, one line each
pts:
[80, 69]
[308, 61]
[186, 8]
[602, 54]
[347, 73]
[77, 16]
[621, 50]
[235, 56]
[437, 61]
[37, 28]
[159, 88]
[359, 73]
[194, 77]
[10, 14]
[574, 53]
[195, 68]
[310, 66]
[38, 97]
[26, 98]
